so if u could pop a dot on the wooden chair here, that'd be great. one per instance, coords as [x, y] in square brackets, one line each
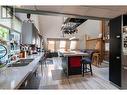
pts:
[96, 59]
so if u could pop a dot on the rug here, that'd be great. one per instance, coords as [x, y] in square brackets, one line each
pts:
[49, 61]
[58, 74]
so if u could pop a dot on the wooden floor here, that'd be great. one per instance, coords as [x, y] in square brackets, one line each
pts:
[50, 76]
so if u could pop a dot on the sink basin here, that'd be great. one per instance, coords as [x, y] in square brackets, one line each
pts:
[21, 62]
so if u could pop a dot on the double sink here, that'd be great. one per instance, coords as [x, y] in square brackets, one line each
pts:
[21, 62]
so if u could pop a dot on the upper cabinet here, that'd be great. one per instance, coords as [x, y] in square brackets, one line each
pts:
[29, 33]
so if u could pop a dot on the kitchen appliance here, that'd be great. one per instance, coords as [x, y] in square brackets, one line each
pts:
[118, 51]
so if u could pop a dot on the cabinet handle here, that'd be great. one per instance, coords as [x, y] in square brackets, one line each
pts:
[118, 36]
[117, 57]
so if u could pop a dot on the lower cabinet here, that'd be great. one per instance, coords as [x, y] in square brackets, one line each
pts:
[71, 65]
[32, 81]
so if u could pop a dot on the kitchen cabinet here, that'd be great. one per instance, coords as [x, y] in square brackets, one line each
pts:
[71, 62]
[29, 33]
[118, 57]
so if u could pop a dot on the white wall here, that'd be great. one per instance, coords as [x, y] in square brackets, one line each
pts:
[50, 27]
[91, 28]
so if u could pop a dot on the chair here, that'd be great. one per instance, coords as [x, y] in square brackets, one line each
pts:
[44, 58]
[96, 59]
[46, 55]
[86, 63]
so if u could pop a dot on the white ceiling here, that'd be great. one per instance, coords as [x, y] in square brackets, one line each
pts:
[94, 11]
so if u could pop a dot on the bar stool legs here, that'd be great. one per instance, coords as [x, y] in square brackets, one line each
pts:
[91, 69]
[85, 69]
[82, 69]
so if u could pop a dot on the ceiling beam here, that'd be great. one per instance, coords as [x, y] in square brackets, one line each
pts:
[41, 12]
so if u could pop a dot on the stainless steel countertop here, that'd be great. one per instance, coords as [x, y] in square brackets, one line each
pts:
[74, 53]
[12, 77]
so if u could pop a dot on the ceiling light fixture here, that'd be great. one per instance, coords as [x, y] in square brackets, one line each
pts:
[70, 25]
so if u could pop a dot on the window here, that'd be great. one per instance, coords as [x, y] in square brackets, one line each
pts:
[14, 41]
[6, 12]
[73, 45]
[51, 46]
[62, 45]
[4, 33]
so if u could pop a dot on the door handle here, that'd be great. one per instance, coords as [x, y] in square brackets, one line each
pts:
[117, 57]
[118, 36]
[125, 68]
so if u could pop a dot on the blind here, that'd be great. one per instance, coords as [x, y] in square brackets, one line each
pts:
[51, 46]
[62, 45]
[73, 45]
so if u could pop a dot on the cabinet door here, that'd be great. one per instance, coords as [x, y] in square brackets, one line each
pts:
[115, 51]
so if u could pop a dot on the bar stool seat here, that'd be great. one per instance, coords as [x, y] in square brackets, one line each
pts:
[86, 60]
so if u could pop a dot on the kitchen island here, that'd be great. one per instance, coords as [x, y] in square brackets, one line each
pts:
[13, 77]
[71, 62]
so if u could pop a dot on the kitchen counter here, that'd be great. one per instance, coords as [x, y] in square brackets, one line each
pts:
[13, 77]
[71, 62]
[73, 53]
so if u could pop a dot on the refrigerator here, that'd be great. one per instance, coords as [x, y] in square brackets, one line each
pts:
[118, 51]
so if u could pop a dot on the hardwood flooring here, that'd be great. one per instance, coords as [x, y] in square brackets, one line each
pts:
[52, 77]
